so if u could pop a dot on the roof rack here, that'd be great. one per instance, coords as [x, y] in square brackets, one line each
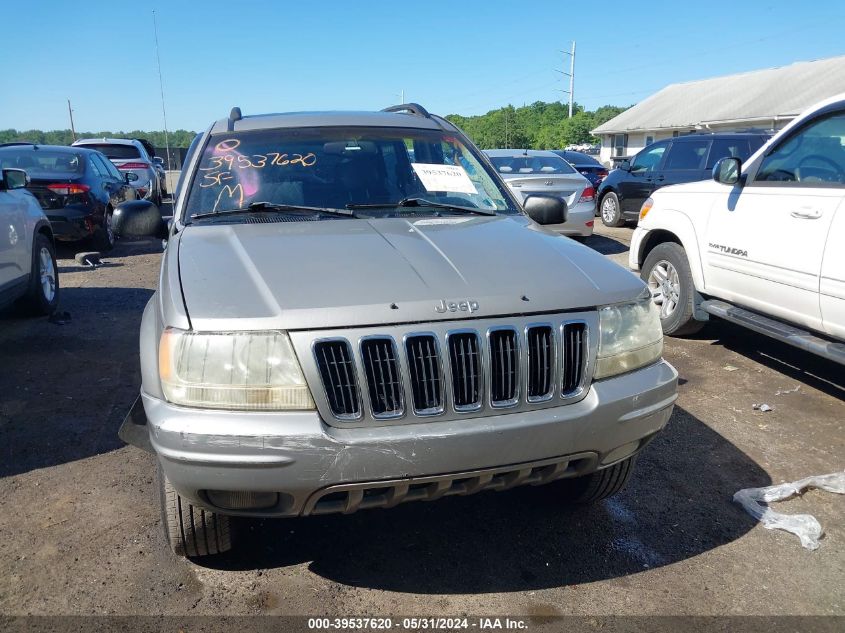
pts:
[234, 115]
[413, 108]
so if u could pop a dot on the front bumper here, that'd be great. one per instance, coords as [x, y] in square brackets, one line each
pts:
[298, 456]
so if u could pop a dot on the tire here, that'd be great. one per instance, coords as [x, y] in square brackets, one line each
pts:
[191, 531]
[42, 296]
[666, 271]
[611, 213]
[103, 238]
[598, 485]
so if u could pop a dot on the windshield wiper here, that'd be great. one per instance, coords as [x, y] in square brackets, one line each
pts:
[422, 202]
[271, 206]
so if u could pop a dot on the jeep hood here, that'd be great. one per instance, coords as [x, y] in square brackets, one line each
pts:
[336, 273]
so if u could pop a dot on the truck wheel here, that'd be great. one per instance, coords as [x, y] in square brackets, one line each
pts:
[598, 485]
[666, 271]
[611, 214]
[191, 531]
[42, 297]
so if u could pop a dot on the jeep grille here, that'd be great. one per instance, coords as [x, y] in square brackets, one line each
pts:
[456, 369]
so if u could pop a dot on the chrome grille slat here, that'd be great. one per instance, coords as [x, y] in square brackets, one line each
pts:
[381, 367]
[425, 375]
[504, 360]
[466, 368]
[573, 339]
[334, 360]
[541, 362]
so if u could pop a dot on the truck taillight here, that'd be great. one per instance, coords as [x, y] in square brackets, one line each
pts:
[588, 195]
[134, 166]
[68, 189]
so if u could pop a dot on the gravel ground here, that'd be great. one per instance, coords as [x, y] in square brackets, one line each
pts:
[81, 533]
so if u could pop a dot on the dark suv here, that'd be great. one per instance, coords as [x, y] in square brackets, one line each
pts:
[668, 162]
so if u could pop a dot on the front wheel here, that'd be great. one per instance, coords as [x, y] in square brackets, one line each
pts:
[611, 213]
[596, 486]
[191, 531]
[667, 272]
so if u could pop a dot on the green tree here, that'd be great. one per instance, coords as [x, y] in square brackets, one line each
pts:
[540, 125]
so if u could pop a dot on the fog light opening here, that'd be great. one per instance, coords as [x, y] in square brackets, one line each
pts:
[620, 453]
[242, 500]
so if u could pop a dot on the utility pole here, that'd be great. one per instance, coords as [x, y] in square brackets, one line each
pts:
[70, 112]
[402, 96]
[571, 75]
[161, 88]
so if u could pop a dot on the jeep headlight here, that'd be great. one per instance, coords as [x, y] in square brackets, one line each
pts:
[247, 371]
[630, 337]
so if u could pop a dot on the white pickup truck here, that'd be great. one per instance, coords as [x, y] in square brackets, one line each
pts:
[762, 244]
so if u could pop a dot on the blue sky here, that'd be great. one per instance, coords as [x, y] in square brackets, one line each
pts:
[463, 57]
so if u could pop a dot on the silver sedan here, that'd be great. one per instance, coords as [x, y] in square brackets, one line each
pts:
[533, 171]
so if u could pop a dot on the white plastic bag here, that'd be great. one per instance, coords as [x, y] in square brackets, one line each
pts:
[804, 526]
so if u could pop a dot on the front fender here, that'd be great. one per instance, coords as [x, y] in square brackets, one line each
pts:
[673, 225]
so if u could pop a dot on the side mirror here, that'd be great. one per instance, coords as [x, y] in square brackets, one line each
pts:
[130, 176]
[138, 218]
[625, 165]
[727, 170]
[14, 179]
[158, 160]
[545, 209]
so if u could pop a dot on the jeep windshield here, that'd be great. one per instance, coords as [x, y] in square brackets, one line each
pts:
[375, 171]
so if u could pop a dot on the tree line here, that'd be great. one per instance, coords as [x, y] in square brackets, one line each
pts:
[177, 138]
[539, 125]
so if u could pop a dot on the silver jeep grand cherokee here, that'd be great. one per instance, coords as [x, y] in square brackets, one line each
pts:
[355, 312]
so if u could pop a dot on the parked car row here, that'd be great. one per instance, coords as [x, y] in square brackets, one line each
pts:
[78, 187]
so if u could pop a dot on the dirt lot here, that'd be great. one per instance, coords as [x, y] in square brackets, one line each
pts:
[81, 534]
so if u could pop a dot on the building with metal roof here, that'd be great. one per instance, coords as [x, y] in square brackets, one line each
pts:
[761, 99]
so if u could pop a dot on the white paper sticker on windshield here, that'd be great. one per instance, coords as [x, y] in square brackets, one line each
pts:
[444, 178]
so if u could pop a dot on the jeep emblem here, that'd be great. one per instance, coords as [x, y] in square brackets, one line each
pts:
[466, 305]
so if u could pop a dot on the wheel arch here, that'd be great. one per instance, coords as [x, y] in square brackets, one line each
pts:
[675, 227]
[42, 227]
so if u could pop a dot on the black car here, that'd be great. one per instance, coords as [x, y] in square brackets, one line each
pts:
[586, 165]
[77, 188]
[671, 161]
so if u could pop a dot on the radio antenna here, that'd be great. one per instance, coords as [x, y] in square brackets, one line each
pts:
[161, 88]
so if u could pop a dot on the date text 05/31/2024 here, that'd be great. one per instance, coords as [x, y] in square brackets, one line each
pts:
[418, 624]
